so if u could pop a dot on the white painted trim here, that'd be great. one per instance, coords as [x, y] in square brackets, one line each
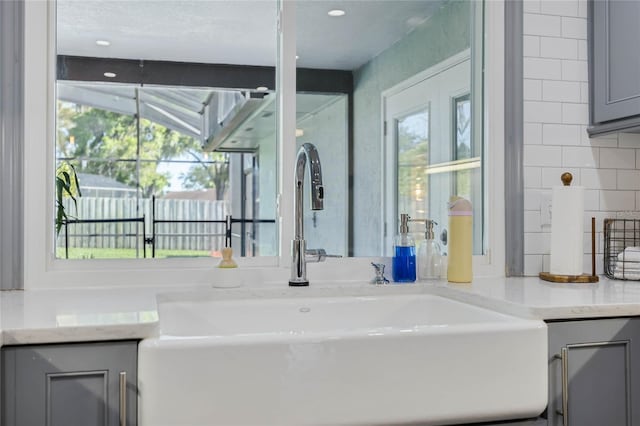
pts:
[286, 85]
[494, 135]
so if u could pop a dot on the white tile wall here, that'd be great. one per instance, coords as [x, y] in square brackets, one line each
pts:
[560, 134]
[533, 133]
[574, 70]
[574, 28]
[559, 48]
[544, 25]
[541, 68]
[556, 119]
[559, 7]
[560, 91]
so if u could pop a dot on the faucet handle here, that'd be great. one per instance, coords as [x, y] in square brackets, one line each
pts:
[317, 255]
[379, 278]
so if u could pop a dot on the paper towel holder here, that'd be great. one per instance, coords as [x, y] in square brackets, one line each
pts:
[566, 179]
[584, 278]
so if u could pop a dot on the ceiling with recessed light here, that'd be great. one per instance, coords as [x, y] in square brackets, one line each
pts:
[235, 31]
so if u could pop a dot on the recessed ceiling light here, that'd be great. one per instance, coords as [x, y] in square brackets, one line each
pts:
[262, 88]
[103, 42]
[297, 57]
[336, 12]
[109, 74]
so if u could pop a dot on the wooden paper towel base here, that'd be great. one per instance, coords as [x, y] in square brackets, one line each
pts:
[555, 278]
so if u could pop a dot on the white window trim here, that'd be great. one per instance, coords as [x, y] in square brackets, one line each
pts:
[494, 137]
[43, 271]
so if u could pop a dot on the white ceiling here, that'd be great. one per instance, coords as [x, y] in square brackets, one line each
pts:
[235, 31]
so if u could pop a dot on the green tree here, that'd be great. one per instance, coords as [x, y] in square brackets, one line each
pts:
[105, 143]
[208, 175]
[413, 156]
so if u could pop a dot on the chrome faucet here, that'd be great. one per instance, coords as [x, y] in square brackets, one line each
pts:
[306, 153]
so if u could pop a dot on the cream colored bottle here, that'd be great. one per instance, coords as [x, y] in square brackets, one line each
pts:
[459, 268]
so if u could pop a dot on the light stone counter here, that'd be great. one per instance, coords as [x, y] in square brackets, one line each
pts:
[50, 316]
[533, 298]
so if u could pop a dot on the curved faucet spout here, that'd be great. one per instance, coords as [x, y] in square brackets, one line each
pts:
[306, 154]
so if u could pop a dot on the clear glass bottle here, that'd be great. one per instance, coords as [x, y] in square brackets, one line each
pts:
[429, 254]
[404, 254]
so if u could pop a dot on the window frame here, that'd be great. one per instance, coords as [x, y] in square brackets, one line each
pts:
[42, 270]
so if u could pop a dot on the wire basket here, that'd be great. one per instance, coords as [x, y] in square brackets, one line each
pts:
[622, 249]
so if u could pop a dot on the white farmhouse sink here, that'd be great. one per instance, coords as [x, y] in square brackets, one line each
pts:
[346, 360]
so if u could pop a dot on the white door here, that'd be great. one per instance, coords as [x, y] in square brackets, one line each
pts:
[428, 148]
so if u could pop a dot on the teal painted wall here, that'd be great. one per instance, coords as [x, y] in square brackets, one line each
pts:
[445, 34]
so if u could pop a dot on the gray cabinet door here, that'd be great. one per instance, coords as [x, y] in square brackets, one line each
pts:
[530, 422]
[603, 388]
[615, 59]
[69, 385]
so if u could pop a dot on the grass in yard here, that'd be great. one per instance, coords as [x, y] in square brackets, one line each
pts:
[111, 253]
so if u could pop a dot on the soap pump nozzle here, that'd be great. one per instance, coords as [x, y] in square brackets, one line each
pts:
[404, 223]
[429, 233]
[403, 236]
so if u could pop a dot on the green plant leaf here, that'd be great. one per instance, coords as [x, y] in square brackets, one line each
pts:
[66, 185]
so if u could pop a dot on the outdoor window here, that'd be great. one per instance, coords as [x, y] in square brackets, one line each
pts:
[150, 161]
[432, 148]
[159, 124]
[413, 159]
[143, 186]
[468, 157]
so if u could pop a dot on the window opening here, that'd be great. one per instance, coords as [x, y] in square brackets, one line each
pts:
[138, 155]
[413, 159]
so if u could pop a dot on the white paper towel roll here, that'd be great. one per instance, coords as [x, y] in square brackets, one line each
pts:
[567, 230]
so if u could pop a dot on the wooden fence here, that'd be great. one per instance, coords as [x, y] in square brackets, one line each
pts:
[173, 236]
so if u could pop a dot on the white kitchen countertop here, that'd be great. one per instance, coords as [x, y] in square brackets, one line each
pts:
[533, 298]
[73, 315]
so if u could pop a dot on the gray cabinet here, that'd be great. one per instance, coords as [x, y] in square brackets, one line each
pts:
[87, 384]
[530, 422]
[594, 372]
[614, 66]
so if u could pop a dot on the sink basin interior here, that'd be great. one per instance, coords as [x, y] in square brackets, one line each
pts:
[319, 315]
[349, 360]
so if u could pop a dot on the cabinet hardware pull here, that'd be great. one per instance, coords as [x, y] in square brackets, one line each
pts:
[565, 386]
[123, 398]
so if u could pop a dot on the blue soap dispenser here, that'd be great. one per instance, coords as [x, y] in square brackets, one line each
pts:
[404, 254]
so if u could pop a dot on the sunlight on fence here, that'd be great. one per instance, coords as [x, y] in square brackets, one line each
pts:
[193, 237]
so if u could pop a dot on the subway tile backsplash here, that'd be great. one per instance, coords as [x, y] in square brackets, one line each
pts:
[555, 138]
[560, 7]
